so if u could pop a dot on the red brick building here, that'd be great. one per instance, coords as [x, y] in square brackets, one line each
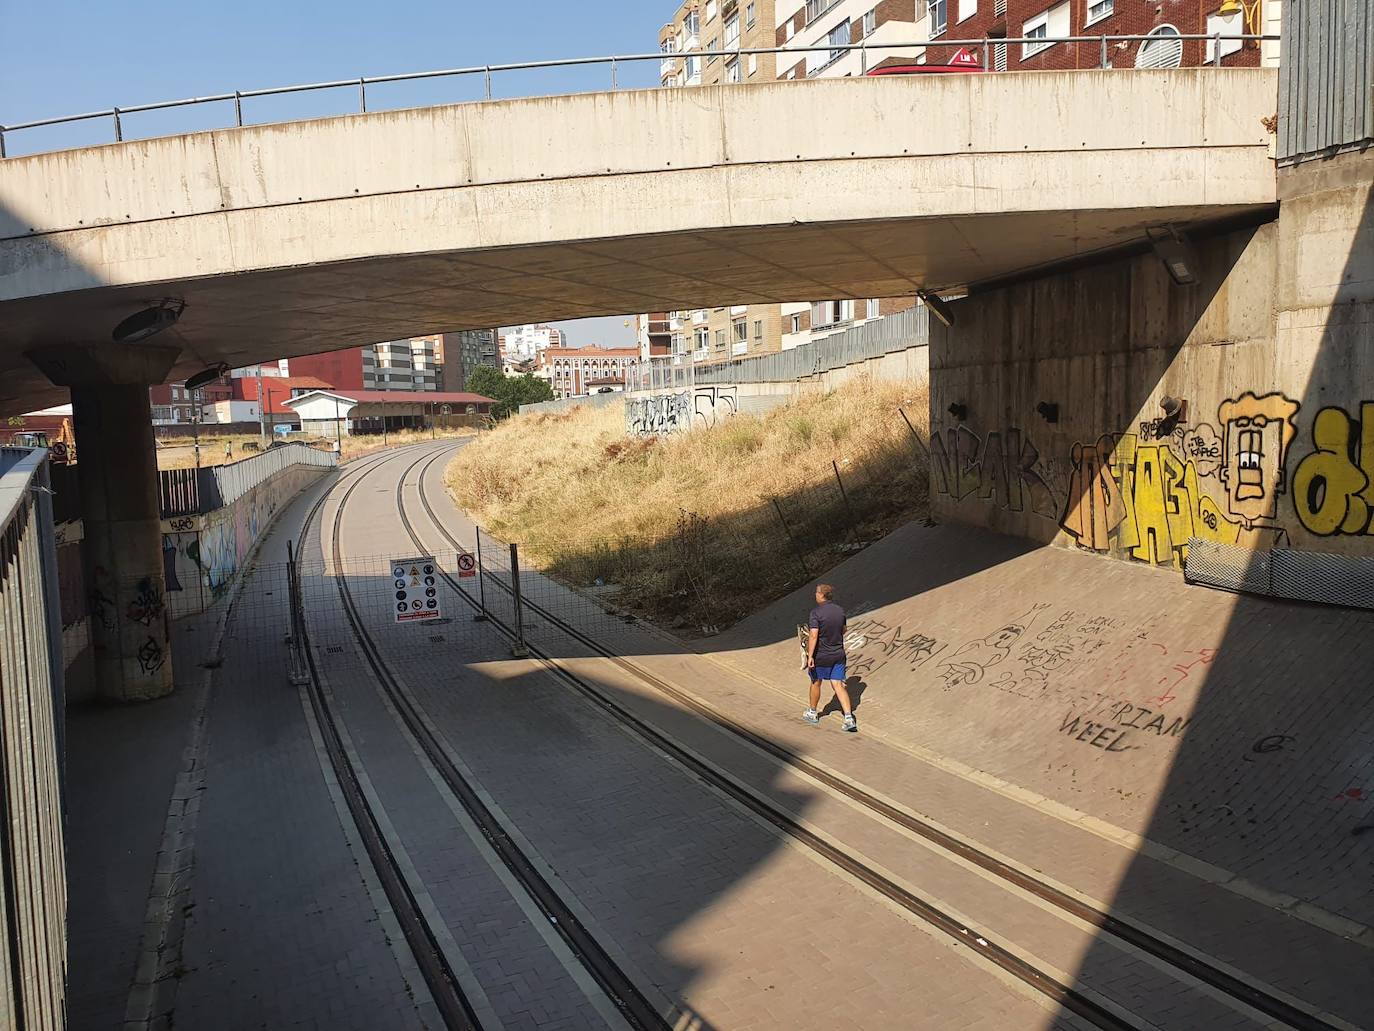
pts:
[1164, 20]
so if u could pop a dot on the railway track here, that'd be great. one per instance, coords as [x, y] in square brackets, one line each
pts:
[1164, 953]
[455, 1008]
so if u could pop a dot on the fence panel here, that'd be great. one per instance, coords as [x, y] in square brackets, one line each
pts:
[1326, 78]
[33, 884]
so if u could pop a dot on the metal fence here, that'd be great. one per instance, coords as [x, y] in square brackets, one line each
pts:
[1326, 78]
[33, 883]
[193, 491]
[876, 51]
[899, 332]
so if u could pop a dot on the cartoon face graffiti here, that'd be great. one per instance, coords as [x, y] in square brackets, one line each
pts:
[973, 660]
[1257, 431]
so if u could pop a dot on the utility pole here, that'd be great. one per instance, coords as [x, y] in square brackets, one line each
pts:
[195, 422]
[262, 411]
[338, 429]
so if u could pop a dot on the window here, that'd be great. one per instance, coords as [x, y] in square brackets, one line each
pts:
[692, 23]
[732, 70]
[1162, 50]
[788, 31]
[839, 37]
[753, 63]
[1099, 9]
[758, 329]
[702, 339]
[939, 16]
[712, 44]
[720, 338]
[1037, 28]
[968, 8]
[732, 33]
[796, 323]
[874, 307]
[741, 328]
[870, 23]
[710, 9]
[693, 68]
[999, 57]
[750, 16]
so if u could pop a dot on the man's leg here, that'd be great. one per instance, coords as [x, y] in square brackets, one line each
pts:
[842, 694]
[815, 693]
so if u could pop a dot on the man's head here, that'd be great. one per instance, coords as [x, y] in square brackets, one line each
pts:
[824, 593]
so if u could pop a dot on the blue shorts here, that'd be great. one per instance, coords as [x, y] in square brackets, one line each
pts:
[835, 672]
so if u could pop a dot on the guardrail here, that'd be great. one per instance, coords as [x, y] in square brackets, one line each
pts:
[33, 882]
[183, 492]
[983, 44]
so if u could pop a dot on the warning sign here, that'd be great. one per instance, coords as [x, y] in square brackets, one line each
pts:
[467, 565]
[416, 589]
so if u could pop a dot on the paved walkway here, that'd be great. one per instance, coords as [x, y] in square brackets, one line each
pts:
[721, 921]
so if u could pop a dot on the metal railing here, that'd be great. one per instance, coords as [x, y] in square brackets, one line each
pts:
[983, 44]
[33, 882]
[183, 492]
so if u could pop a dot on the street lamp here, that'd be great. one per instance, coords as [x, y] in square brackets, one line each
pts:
[1250, 14]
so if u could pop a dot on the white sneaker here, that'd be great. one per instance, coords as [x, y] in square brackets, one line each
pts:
[811, 717]
[850, 724]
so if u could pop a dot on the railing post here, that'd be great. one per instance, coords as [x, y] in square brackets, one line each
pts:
[2, 141]
[1216, 53]
[362, 95]
[238, 109]
[987, 61]
[796, 548]
[1104, 51]
[486, 74]
[481, 616]
[615, 78]
[519, 650]
[119, 129]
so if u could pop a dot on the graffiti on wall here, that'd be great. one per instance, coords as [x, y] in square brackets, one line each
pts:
[1003, 469]
[680, 411]
[1333, 487]
[1147, 495]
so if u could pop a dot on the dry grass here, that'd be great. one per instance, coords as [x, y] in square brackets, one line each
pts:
[674, 521]
[180, 454]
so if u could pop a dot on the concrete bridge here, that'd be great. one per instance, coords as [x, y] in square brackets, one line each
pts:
[296, 238]
[292, 239]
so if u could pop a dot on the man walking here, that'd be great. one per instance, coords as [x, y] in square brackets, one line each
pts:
[825, 655]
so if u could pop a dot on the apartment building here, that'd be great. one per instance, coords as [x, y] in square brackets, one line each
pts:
[1164, 21]
[526, 343]
[572, 371]
[699, 27]
[462, 353]
[836, 23]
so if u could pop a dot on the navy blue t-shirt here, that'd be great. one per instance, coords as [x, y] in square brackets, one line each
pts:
[829, 619]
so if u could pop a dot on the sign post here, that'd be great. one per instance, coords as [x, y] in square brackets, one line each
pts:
[416, 585]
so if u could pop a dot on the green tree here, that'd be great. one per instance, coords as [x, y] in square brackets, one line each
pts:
[509, 392]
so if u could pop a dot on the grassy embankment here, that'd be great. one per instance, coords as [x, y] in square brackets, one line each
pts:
[698, 529]
[180, 454]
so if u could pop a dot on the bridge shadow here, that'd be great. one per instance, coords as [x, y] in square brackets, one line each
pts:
[1260, 842]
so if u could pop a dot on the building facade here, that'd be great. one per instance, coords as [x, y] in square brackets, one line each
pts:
[464, 352]
[527, 343]
[698, 27]
[570, 371]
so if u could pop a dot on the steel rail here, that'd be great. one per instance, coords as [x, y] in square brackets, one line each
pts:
[624, 994]
[1117, 927]
[1071, 999]
[361, 82]
[454, 1007]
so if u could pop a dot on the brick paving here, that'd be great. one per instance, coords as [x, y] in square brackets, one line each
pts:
[711, 912]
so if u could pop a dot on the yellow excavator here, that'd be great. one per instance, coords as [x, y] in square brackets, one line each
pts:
[62, 445]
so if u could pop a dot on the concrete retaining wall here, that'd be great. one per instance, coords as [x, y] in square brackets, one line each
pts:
[674, 411]
[1272, 352]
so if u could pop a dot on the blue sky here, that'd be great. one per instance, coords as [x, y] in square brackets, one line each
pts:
[58, 57]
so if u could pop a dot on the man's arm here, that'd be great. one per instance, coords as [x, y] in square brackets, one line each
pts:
[815, 636]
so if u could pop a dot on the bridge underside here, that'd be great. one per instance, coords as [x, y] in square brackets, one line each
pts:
[257, 316]
[293, 239]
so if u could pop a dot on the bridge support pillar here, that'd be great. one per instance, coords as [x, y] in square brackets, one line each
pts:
[120, 512]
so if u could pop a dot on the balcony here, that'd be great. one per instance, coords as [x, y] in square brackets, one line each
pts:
[700, 316]
[701, 354]
[739, 350]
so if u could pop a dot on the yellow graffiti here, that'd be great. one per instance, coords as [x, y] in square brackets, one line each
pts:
[1331, 492]
[1141, 499]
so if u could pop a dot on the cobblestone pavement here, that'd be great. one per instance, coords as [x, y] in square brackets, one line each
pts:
[719, 919]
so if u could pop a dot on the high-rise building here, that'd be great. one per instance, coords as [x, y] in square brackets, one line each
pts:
[464, 352]
[527, 343]
[654, 334]
[698, 27]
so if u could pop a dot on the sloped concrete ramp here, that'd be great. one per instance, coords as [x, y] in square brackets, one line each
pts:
[1235, 736]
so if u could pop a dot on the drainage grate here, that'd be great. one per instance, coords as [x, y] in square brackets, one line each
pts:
[1283, 573]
